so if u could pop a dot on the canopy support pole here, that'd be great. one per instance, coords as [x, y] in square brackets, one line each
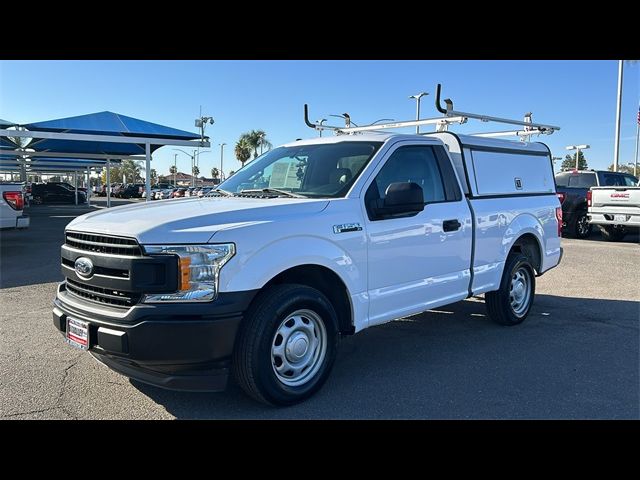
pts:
[147, 172]
[75, 184]
[88, 186]
[108, 183]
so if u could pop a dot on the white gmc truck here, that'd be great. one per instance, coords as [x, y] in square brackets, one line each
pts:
[313, 240]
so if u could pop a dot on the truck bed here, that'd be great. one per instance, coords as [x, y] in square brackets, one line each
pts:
[615, 206]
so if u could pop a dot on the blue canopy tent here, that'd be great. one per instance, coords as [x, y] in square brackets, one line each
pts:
[102, 136]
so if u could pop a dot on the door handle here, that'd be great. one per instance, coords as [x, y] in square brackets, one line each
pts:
[451, 225]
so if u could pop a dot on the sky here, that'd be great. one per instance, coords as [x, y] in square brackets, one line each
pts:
[578, 96]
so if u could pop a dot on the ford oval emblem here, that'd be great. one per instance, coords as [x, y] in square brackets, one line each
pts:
[84, 267]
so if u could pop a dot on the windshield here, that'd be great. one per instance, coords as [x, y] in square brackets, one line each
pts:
[321, 170]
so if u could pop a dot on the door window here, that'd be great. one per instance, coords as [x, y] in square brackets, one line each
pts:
[417, 164]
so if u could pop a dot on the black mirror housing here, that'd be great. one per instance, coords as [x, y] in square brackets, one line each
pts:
[401, 198]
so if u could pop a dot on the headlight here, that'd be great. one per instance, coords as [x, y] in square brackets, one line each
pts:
[198, 270]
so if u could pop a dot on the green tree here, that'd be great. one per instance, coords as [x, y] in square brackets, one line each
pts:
[195, 171]
[154, 176]
[569, 162]
[230, 173]
[257, 139]
[130, 170]
[115, 172]
[215, 173]
[242, 150]
[622, 168]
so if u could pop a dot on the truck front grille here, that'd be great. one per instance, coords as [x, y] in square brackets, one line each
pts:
[105, 244]
[102, 295]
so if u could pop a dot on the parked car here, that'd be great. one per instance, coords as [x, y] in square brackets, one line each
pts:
[131, 190]
[572, 187]
[55, 193]
[68, 185]
[615, 210]
[203, 191]
[178, 193]
[12, 206]
[348, 233]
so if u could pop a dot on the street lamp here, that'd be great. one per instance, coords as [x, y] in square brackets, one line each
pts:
[201, 123]
[221, 160]
[418, 96]
[577, 148]
[193, 161]
[320, 122]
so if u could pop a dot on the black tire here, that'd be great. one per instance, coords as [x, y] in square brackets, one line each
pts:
[580, 226]
[499, 303]
[613, 233]
[254, 367]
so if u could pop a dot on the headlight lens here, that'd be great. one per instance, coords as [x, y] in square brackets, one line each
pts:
[198, 270]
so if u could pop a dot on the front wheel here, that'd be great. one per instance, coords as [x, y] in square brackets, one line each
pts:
[287, 345]
[510, 304]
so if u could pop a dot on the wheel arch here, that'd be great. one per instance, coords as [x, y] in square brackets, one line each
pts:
[326, 281]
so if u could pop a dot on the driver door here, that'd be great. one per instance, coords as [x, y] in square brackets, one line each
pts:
[422, 260]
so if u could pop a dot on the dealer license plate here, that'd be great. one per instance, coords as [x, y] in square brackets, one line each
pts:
[78, 333]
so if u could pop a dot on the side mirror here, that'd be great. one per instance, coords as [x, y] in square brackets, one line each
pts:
[401, 198]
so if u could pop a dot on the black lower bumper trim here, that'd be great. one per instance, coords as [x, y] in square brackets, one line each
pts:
[213, 380]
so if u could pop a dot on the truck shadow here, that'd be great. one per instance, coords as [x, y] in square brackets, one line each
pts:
[32, 256]
[454, 362]
[633, 237]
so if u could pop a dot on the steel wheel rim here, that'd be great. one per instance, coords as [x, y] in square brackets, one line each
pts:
[583, 225]
[520, 291]
[298, 348]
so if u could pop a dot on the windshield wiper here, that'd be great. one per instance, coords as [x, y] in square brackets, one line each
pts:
[218, 192]
[272, 190]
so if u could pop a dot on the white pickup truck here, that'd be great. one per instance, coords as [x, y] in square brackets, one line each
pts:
[313, 240]
[615, 209]
[12, 206]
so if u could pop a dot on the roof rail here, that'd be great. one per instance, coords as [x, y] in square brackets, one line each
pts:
[450, 117]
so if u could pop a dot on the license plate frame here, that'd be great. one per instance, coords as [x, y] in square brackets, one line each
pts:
[77, 333]
[620, 218]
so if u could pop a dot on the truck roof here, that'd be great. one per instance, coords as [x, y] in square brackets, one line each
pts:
[465, 140]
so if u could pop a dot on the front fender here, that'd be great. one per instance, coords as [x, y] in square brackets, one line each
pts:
[252, 270]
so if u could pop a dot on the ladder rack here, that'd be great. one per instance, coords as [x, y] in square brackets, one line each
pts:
[450, 117]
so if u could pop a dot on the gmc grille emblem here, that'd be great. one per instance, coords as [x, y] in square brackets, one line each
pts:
[84, 267]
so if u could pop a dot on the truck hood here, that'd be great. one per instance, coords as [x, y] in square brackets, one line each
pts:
[191, 220]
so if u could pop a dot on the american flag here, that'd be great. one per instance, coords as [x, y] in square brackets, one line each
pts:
[638, 114]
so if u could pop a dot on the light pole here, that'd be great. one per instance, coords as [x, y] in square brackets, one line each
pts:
[175, 168]
[320, 122]
[554, 160]
[635, 157]
[616, 146]
[221, 160]
[577, 148]
[418, 96]
[193, 161]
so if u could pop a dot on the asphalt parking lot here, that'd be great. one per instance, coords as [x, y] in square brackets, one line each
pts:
[575, 357]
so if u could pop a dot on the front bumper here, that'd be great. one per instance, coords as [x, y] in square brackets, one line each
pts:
[175, 346]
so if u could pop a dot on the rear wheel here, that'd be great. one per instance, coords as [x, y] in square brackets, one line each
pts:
[510, 304]
[580, 226]
[286, 345]
[613, 233]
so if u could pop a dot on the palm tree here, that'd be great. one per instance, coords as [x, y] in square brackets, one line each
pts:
[195, 171]
[130, 170]
[173, 170]
[215, 173]
[154, 176]
[257, 139]
[243, 149]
